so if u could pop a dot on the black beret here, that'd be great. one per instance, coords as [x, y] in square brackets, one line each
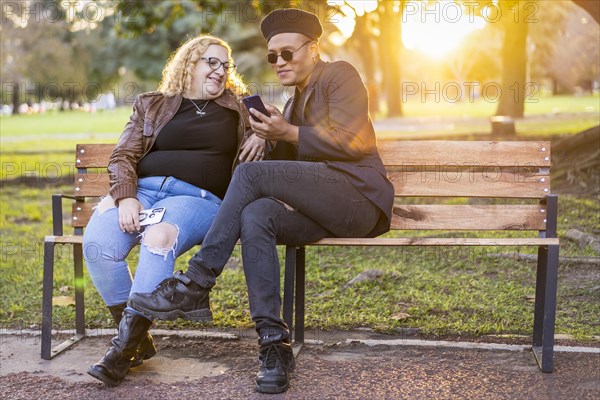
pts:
[291, 20]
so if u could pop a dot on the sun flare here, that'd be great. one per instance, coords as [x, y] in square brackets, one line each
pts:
[432, 28]
[436, 34]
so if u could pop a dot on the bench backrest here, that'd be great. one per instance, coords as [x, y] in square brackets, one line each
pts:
[470, 170]
[462, 170]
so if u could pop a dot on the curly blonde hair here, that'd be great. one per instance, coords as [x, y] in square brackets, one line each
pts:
[177, 73]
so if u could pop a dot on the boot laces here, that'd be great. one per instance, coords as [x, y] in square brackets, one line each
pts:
[166, 288]
[270, 355]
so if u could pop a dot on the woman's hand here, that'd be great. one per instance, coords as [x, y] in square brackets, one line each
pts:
[274, 127]
[129, 214]
[253, 149]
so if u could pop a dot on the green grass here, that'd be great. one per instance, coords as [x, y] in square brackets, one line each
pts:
[446, 291]
[70, 122]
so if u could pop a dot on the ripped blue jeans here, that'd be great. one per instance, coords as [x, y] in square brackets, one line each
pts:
[189, 209]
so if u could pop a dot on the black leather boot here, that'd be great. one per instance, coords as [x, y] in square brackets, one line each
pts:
[146, 350]
[174, 297]
[116, 362]
[276, 362]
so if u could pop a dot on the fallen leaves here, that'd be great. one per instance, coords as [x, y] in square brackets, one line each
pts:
[401, 316]
[63, 301]
[368, 275]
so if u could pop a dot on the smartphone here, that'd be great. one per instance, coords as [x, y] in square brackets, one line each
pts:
[255, 102]
[151, 216]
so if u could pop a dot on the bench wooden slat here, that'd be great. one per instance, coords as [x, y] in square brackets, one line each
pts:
[398, 153]
[422, 241]
[465, 153]
[93, 155]
[91, 185]
[464, 183]
[408, 241]
[68, 239]
[469, 217]
[81, 213]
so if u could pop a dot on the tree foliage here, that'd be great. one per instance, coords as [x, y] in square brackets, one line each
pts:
[40, 56]
[531, 41]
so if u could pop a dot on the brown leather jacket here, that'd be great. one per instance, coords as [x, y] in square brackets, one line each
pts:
[151, 112]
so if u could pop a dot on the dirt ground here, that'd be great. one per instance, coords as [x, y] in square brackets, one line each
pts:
[213, 368]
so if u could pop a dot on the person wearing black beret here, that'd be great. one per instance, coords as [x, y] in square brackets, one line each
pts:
[322, 177]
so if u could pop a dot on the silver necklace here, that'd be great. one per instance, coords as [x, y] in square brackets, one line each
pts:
[200, 111]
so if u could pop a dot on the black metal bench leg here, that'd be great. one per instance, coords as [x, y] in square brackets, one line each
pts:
[300, 295]
[288, 286]
[48, 352]
[47, 300]
[79, 288]
[545, 293]
[540, 290]
[545, 307]
[547, 348]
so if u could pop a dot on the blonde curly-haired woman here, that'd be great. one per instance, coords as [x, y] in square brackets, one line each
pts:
[177, 152]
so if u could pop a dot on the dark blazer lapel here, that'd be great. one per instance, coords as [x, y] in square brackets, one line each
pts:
[287, 109]
[310, 89]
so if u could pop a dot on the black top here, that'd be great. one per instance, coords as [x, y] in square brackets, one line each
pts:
[194, 149]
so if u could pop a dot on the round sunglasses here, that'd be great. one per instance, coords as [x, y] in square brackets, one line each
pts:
[286, 55]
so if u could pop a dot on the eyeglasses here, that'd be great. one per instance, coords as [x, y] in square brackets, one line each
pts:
[214, 63]
[286, 55]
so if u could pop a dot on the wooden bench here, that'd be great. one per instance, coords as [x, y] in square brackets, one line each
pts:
[90, 182]
[472, 170]
[422, 169]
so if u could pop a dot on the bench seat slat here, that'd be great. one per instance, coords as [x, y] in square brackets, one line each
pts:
[422, 241]
[407, 241]
[455, 182]
[68, 239]
[469, 217]
[467, 153]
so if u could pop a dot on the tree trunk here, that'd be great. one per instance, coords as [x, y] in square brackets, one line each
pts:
[554, 86]
[390, 47]
[514, 63]
[361, 41]
[16, 100]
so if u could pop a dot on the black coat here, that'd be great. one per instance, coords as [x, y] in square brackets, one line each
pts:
[336, 129]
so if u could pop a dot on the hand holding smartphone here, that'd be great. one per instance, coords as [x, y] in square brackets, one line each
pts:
[255, 102]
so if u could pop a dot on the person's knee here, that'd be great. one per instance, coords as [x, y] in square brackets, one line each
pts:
[256, 218]
[161, 236]
[257, 213]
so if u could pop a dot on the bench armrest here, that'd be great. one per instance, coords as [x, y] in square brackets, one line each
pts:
[57, 213]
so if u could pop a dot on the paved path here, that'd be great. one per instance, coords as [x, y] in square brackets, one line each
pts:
[218, 368]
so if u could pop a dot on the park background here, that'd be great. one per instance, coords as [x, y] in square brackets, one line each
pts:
[434, 70]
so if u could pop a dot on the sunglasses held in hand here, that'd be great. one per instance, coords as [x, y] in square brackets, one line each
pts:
[287, 55]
